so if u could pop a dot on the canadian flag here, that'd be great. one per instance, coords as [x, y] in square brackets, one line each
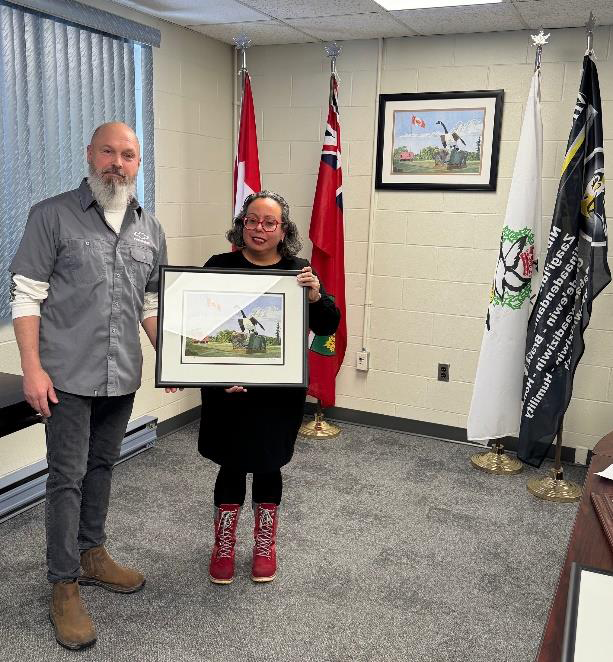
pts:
[418, 121]
[247, 163]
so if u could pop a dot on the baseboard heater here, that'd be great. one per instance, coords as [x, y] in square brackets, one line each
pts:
[25, 487]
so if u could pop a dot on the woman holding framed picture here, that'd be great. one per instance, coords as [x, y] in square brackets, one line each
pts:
[253, 430]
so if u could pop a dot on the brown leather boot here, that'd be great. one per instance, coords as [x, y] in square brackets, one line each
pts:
[99, 569]
[73, 626]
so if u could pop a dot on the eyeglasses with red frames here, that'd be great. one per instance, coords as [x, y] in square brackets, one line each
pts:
[268, 224]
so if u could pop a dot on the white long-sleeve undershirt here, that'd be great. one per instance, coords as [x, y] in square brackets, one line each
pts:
[28, 294]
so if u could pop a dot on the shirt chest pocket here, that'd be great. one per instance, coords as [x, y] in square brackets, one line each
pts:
[86, 261]
[139, 266]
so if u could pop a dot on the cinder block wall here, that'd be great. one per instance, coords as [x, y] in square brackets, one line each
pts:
[434, 252]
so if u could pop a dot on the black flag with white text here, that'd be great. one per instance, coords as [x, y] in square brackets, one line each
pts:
[574, 273]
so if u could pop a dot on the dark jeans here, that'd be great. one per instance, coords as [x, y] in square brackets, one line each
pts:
[84, 438]
[230, 486]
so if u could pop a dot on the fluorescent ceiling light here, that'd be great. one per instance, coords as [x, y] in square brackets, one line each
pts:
[425, 4]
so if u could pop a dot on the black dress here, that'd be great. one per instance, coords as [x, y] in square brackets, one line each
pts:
[256, 431]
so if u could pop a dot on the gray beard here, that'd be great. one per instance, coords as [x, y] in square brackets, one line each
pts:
[113, 194]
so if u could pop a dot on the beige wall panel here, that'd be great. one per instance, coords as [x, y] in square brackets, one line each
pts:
[178, 185]
[591, 382]
[399, 81]
[294, 124]
[355, 256]
[356, 193]
[176, 113]
[271, 90]
[363, 87]
[360, 157]
[450, 396]
[589, 417]
[492, 48]
[390, 227]
[313, 89]
[401, 325]
[355, 288]
[384, 355]
[458, 331]
[304, 158]
[488, 228]
[446, 79]
[466, 265]
[418, 51]
[386, 292]
[356, 225]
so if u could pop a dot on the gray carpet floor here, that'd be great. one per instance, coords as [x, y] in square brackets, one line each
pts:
[391, 548]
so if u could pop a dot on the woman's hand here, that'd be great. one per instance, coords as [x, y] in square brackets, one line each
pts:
[236, 389]
[308, 279]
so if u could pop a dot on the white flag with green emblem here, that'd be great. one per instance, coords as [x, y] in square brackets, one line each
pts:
[495, 409]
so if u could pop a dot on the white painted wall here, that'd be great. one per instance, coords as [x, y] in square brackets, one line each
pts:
[434, 252]
[193, 79]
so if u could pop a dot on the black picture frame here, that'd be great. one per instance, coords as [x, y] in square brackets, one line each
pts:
[184, 360]
[572, 607]
[448, 167]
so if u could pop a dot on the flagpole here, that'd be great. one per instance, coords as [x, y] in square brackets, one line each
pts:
[495, 460]
[320, 428]
[554, 487]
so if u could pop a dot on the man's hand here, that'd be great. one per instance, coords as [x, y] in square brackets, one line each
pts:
[236, 389]
[38, 389]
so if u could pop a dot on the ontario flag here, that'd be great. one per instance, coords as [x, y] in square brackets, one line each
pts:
[247, 163]
[328, 260]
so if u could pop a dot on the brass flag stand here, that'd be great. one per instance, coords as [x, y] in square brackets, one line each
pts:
[554, 487]
[319, 429]
[495, 461]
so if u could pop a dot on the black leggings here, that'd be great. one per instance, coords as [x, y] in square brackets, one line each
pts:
[230, 486]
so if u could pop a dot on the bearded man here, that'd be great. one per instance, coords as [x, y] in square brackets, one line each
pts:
[84, 276]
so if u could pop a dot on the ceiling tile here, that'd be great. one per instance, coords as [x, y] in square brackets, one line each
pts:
[312, 8]
[185, 12]
[564, 13]
[352, 26]
[261, 33]
[457, 20]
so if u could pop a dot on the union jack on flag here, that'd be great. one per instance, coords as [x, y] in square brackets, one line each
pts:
[328, 260]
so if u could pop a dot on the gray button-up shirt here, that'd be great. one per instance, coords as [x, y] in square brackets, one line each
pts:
[89, 326]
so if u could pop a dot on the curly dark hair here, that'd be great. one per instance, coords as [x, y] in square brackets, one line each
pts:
[291, 244]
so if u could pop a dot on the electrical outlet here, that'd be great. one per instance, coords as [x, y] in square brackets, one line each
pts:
[362, 360]
[443, 372]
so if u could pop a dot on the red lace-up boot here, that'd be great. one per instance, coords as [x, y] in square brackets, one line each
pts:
[264, 565]
[221, 567]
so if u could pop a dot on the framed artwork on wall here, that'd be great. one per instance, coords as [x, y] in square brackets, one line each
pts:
[439, 140]
[223, 327]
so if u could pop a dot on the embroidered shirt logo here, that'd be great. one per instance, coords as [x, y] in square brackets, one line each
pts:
[142, 238]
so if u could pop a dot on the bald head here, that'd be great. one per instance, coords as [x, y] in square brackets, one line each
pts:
[115, 130]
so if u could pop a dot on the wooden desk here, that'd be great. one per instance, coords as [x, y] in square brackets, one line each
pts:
[587, 545]
[15, 412]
